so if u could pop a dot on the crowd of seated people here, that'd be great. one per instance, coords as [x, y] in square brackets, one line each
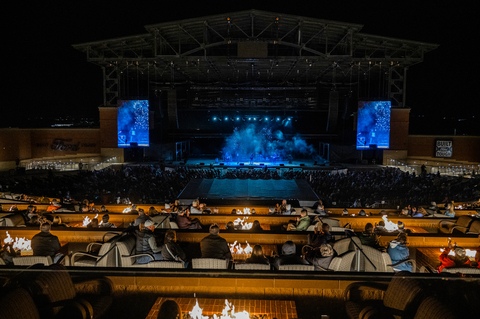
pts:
[359, 189]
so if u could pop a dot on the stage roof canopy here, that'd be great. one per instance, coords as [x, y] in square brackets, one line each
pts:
[255, 47]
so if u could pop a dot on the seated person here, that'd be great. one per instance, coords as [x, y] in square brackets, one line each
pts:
[288, 256]
[142, 217]
[195, 208]
[278, 209]
[230, 226]
[320, 210]
[380, 227]
[93, 223]
[169, 309]
[153, 212]
[105, 222]
[283, 207]
[171, 250]
[450, 210]
[320, 257]
[256, 226]
[46, 244]
[7, 253]
[257, 256]
[398, 251]
[345, 212]
[215, 210]
[234, 212]
[420, 212]
[103, 209]
[253, 212]
[204, 209]
[184, 221]
[369, 237]
[460, 259]
[302, 222]
[271, 211]
[362, 213]
[321, 235]
[214, 246]
[146, 243]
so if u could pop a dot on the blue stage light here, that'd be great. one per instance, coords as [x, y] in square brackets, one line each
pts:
[289, 119]
[226, 118]
[249, 118]
[238, 119]
[266, 119]
[254, 118]
[214, 118]
[278, 119]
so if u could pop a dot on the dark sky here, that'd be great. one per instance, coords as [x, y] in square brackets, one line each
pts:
[46, 76]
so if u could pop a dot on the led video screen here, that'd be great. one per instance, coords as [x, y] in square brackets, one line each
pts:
[373, 124]
[132, 123]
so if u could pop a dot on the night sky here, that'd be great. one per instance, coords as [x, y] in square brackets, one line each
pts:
[47, 77]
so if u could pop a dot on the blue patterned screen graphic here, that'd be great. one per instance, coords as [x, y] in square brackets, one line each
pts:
[373, 124]
[132, 123]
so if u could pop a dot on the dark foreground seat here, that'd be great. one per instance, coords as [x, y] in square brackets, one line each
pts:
[55, 296]
[18, 304]
[401, 298]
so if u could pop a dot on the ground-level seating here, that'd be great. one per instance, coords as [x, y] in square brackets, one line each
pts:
[249, 266]
[462, 224]
[209, 263]
[18, 304]
[126, 252]
[432, 308]
[54, 292]
[32, 260]
[401, 298]
[13, 220]
[381, 260]
[474, 228]
[342, 262]
[106, 256]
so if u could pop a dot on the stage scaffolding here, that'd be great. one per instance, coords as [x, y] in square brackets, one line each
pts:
[252, 50]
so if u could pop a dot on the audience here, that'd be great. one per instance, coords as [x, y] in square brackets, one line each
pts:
[398, 251]
[288, 256]
[369, 237]
[147, 243]
[106, 223]
[214, 246]
[184, 221]
[46, 244]
[170, 250]
[321, 257]
[321, 235]
[257, 256]
[302, 222]
[142, 217]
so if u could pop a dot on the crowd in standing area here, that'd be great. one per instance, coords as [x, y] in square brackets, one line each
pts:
[149, 184]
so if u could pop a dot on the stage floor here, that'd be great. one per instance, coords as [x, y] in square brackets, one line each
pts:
[242, 190]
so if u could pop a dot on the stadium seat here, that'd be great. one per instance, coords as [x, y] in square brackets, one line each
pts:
[32, 260]
[209, 263]
[401, 298]
[249, 266]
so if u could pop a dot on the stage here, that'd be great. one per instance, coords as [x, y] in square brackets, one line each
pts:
[248, 191]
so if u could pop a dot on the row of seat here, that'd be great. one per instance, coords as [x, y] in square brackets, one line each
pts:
[464, 224]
